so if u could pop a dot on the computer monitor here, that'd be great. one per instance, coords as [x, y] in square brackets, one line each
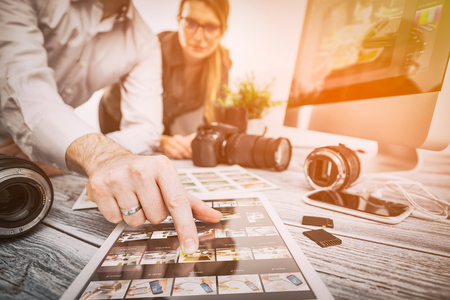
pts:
[376, 70]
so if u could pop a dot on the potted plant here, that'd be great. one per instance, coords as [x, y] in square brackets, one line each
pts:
[257, 101]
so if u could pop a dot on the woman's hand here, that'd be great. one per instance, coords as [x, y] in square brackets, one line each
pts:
[177, 146]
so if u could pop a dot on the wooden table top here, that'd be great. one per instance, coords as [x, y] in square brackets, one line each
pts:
[410, 260]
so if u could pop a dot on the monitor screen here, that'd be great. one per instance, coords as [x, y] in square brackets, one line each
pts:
[363, 49]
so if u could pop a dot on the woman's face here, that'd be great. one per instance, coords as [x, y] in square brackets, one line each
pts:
[199, 31]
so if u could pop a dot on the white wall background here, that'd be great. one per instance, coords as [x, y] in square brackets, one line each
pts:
[262, 36]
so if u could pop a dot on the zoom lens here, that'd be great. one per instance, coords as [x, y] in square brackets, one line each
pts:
[258, 152]
[26, 195]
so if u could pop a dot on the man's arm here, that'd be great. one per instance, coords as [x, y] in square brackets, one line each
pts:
[46, 129]
[141, 93]
[34, 114]
[119, 179]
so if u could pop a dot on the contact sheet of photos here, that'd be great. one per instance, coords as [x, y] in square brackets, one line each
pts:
[244, 253]
[222, 179]
[206, 180]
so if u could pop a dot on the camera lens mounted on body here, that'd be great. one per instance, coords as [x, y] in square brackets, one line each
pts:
[26, 195]
[220, 143]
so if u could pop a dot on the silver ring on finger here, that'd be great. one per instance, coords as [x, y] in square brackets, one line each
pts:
[131, 211]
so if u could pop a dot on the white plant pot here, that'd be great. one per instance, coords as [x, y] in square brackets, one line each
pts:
[255, 126]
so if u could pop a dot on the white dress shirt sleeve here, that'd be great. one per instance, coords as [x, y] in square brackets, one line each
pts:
[141, 97]
[31, 109]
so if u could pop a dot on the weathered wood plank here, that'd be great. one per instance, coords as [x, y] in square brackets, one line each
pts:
[412, 233]
[365, 270]
[88, 225]
[42, 264]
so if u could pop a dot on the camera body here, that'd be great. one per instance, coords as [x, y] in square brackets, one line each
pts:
[208, 145]
[218, 143]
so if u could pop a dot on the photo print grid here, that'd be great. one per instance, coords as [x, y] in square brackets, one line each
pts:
[222, 179]
[243, 253]
[206, 180]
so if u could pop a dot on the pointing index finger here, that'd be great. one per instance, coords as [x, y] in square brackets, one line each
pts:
[177, 203]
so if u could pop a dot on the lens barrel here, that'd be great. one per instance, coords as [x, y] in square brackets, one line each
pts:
[26, 195]
[255, 151]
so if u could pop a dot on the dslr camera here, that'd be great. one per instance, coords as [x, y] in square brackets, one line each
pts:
[218, 143]
[26, 195]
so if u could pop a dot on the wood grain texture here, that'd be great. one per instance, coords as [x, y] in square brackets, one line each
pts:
[410, 260]
[366, 270]
[89, 224]
[42, 264]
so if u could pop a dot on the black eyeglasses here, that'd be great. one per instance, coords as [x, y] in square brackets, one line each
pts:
[210, 30]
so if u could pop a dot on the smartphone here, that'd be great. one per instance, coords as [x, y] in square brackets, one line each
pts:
[371, 208]
[294, 279]
[206, 287]
[251, 285]
[156, 288]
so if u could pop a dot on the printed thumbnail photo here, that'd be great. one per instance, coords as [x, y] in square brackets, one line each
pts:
[124, 256]
[230, 215]
[159, 257]
[274, 252]
[201, 255]
[233, 254]
[239, 284]
[261, 231]
[206, 175]
[225, 203]
[249, 202]
[134, 236]
[255, 216]
[256, 185]
[230, 231]
[281, 282]
[194, 286]
[163, 234]
[106, 289]
[149, 288]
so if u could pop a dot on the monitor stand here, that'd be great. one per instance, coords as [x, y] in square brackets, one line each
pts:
[390, 158]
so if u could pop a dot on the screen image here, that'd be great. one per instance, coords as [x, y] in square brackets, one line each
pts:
[237, 256]
[354, 49]
[371, 205]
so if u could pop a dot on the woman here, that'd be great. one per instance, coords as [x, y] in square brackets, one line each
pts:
[195, 67]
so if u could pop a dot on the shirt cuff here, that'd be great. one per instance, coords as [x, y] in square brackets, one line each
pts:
[136, 140]
[54, 133]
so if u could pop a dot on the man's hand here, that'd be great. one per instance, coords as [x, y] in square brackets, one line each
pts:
[119, 180]
[9, 147]
[177, 146]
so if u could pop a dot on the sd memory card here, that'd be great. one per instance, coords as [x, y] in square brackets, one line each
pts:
[322, 238]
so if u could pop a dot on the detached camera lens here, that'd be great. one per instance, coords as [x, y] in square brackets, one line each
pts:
[26, 195]
[18, 202]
